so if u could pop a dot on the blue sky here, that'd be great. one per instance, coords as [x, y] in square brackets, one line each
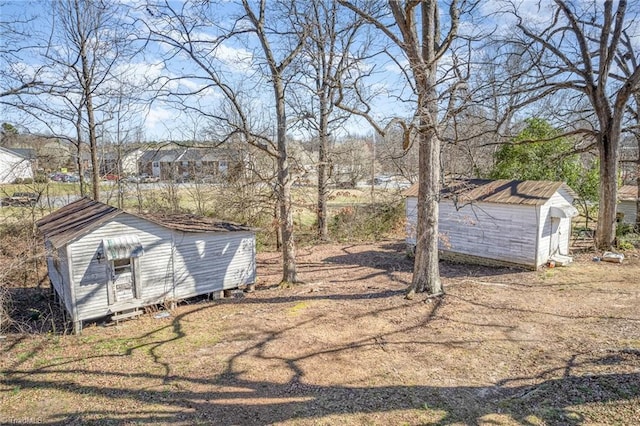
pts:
[238, 64]
[237, 61]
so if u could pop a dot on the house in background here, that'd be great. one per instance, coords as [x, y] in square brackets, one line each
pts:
[190, 163]
[627, 203]
[14, 165]
[103, 261]
[120, 160]
[501, 222]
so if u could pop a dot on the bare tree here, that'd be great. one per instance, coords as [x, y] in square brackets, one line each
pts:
[416, 30]
[16, 76]
[277, 68]
[331, 62]
[188, 32]
[88, 48]
[574, 52]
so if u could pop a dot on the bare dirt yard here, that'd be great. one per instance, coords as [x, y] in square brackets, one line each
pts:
[559, 346]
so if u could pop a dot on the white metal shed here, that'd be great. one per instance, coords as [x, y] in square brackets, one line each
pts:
[500, 222]
[627, 203]
[14, 166]
[104, 261]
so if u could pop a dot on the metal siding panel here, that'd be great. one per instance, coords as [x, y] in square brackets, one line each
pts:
[411, 204]
[205, 263]
[629, 210]
[496, 231]
[91, 276]
[65, 283]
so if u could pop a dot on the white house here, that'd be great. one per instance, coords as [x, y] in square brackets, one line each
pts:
[104, 261]
[627, 203]
[14, 166]
[500, 222]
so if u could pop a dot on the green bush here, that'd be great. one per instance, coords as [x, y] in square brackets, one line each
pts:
[41, 178]
[23, 181]
[366, 222]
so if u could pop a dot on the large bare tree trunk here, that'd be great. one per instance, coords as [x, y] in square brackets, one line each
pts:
[606, 229]
[423, 45]
[637, 114]
[637, 225]
[426, 269]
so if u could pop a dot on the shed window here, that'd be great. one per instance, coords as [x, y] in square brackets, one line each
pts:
[122, 266]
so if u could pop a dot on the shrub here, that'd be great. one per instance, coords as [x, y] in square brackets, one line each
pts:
[366, 222]
[628, 241]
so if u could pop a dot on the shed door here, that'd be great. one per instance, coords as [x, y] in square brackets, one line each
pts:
[124, 287]
[555, 236]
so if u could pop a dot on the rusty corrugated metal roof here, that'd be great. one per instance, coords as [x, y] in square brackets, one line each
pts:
[79, 217]
[193, 223]
[628, 193]
[75, 219]
[529, 192]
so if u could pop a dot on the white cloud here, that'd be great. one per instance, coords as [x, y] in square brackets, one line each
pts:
[155, 121]
[238, 59]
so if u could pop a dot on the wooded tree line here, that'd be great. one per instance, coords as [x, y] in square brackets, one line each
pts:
[450, 88]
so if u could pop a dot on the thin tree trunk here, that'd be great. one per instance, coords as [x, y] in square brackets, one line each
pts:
[322, 170]
[637, 225]
[83, 184]
[88, 102]
[93, 148]
[289, 270]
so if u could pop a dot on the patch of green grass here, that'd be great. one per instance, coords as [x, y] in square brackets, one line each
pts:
[22, 357]
[118, 345]
[298, 307]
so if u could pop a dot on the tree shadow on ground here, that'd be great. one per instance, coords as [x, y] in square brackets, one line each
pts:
[394, 258]
[229, 397]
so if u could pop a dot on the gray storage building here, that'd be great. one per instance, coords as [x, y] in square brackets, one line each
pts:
[627, 203]
[104, 261]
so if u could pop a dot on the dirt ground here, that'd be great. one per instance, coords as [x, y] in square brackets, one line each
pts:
[559, 346]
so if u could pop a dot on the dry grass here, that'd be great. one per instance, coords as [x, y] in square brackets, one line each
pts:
[560, 346]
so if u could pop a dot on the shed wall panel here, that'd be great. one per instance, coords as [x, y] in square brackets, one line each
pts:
[498, 231]
[628, 207]
[91, 276]
[205, 262]
[58, 272]
[13, 167]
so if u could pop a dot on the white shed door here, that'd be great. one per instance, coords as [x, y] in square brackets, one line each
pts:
[123, 280]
